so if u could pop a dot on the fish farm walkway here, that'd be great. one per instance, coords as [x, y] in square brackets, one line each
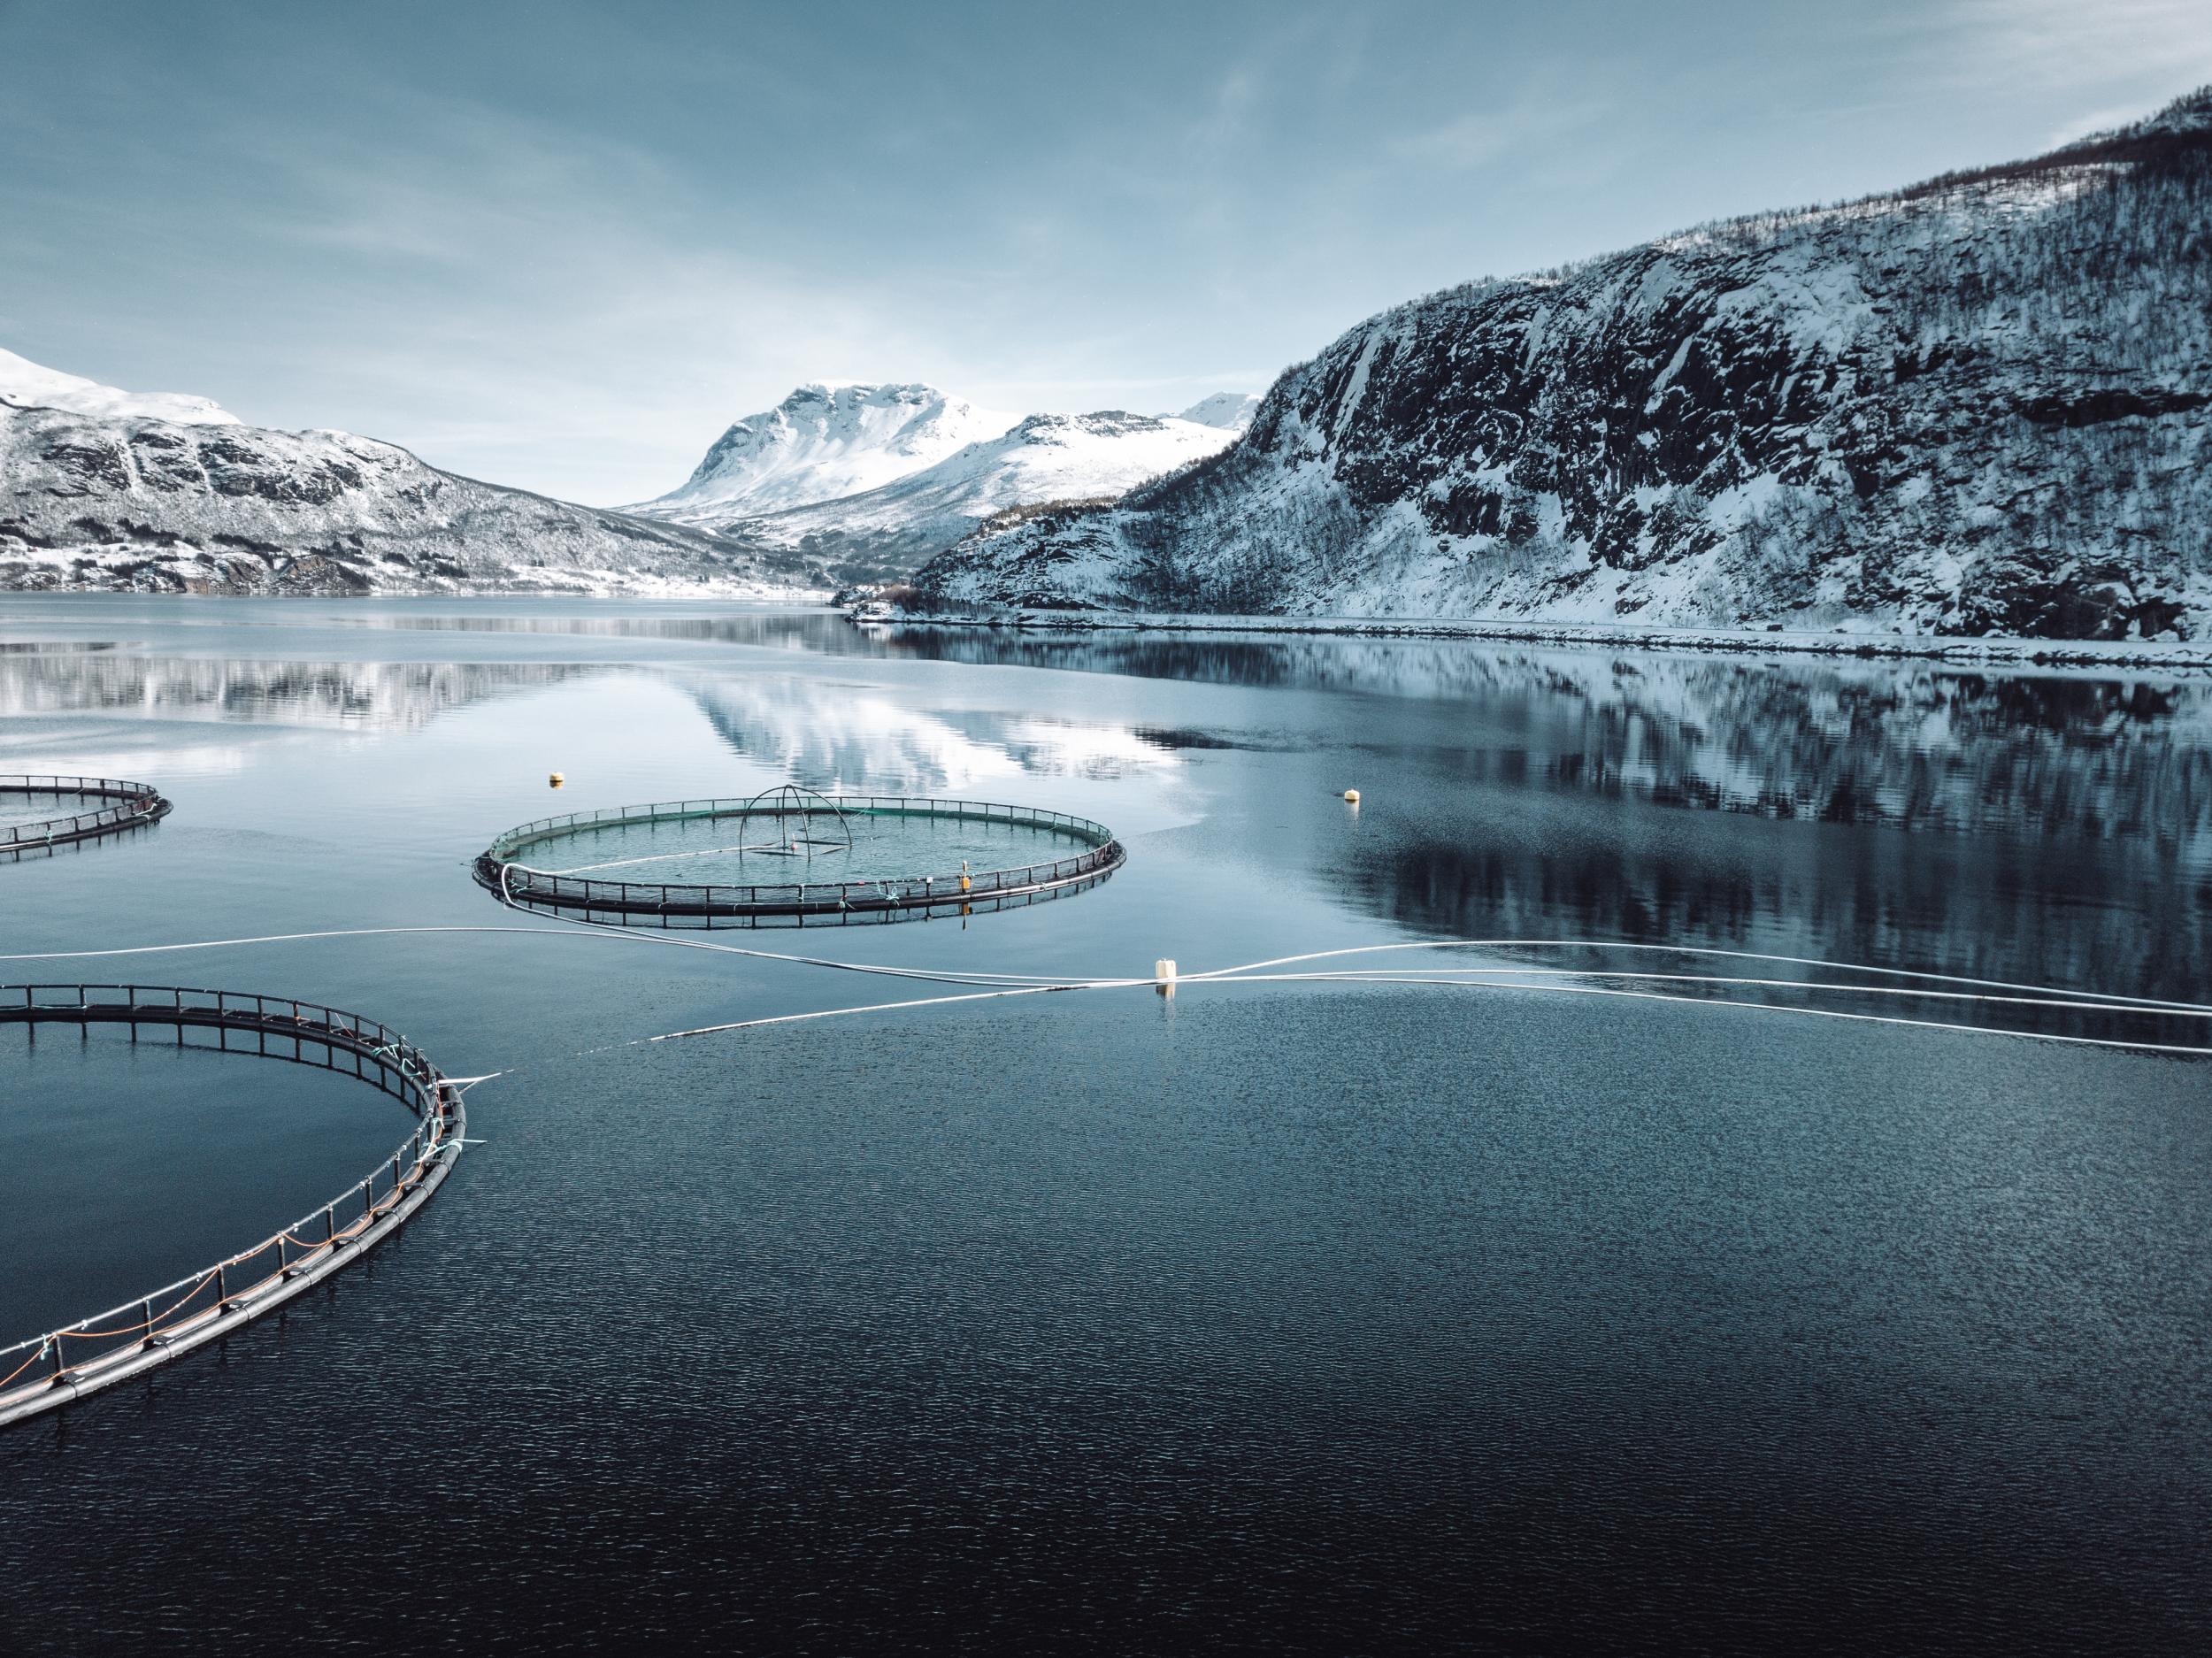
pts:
[137, 805]
[801, 903]
[54, 1368]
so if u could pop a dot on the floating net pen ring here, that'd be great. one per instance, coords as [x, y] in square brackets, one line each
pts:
[127, 806]
[788, 822]
[59, 1366]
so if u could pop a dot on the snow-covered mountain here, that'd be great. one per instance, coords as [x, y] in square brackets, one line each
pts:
[822, 442]
[1231, 410]
[1982, 405]
[101, 488]
[886, 533]
[25, 384]
[868, 479]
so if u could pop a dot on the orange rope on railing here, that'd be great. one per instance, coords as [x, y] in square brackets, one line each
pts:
[26, 1365]
[398, 1060]
[378, 1207]
[200, 1284]
[154, 1327]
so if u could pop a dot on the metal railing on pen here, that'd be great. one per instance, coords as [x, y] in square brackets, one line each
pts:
[57, 1366]
[887, 898]
[137, 805]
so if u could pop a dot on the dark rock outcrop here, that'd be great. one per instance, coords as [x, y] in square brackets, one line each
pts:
[1979, 405]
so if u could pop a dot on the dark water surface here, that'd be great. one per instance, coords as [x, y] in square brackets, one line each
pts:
[1311, 1317]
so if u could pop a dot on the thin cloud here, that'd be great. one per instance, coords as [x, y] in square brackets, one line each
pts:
[2113, 62]
[551, 319]
[1481, 136]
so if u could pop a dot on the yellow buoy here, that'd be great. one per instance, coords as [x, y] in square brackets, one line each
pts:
[1351, 797]
[1163, 977]
[555, 780]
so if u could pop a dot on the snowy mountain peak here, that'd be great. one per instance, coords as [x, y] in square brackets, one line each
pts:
[25, 384]
[1231, 410]
[821, 436]
[829, 439]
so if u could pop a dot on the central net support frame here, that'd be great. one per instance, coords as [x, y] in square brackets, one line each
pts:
[823, 819]
[135, 806]
[61, 1366]
[793, 810]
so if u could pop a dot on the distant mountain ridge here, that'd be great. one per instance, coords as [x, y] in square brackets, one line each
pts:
[795, 479]
[825, 440]
[106, 489]
[1982, 405]
[1231, 410]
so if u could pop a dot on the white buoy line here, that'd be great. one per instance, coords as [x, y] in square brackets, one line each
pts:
[1229, 976]
[1557, 980]
[2110, 1001]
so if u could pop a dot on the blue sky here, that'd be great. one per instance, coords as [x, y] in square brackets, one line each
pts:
[563, 245]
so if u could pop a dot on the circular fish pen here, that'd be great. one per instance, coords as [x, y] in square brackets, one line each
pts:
[791, 858]
[28, 822]
[53, 1369]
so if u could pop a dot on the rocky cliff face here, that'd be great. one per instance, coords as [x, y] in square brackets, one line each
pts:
[1977, 406]
[123, 501]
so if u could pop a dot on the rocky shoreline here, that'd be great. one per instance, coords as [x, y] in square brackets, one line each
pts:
[1991, 652]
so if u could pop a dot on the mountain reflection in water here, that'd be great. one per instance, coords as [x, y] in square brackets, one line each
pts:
[1902, 743]
[2037, 826]
[366, 695]
[1324, 1306]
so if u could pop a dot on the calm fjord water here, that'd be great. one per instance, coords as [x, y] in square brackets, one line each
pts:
[1295, 1317]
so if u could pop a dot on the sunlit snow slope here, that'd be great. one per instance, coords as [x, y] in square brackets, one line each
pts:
[23, 383]
[1231, 410]
[889, 532]
[789, 479]
[822, 442]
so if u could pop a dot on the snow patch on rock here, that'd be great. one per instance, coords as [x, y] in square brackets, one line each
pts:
[1977, 407]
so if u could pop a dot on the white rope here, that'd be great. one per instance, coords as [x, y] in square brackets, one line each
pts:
[266, 938]
[1499, 976]
[1230, 977]
[1727, 1002]
[1695, 949]
[1506, 977]
[564, 929]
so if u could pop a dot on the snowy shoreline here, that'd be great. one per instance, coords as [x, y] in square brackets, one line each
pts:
[1996, 652]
